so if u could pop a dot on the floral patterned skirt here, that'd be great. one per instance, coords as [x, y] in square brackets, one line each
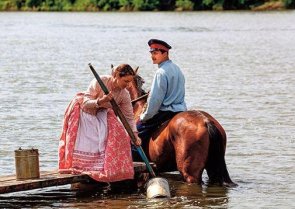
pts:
[105, 158]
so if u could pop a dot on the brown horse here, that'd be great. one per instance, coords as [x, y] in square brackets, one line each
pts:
[190, 142]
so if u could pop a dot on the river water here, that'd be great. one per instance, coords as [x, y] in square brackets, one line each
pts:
[239, 67]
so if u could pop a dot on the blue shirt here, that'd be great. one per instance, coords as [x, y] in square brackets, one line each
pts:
[167, 91]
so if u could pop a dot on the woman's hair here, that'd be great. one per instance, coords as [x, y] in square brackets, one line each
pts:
[123, 70]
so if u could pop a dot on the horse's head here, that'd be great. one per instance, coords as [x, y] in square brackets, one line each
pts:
[135, 87]
[137, 94]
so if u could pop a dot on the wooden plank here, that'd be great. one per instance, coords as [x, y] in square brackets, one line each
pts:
[49, 178]
[140, 167]
[46, 180]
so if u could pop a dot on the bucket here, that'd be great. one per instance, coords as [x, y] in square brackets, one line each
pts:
[27, 164]
[158, 188]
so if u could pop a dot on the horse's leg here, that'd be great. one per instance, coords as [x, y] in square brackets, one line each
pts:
[191, 151]
[161, 152]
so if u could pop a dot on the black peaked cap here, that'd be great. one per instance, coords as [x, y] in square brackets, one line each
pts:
[157, 41]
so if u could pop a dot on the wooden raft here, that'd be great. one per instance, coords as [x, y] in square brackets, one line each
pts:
[49, 178]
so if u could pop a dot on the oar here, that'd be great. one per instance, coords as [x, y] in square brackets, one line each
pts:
[124, 122]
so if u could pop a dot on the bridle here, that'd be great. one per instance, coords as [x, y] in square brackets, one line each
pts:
[139, 98]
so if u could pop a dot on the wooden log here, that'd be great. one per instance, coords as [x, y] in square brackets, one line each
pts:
[47, 179]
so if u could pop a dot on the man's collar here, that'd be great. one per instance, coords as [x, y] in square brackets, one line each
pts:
[163, 63]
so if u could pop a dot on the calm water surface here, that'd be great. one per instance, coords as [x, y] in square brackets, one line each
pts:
[239, 67]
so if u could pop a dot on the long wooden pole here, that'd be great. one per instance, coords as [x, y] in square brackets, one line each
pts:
[124, 121]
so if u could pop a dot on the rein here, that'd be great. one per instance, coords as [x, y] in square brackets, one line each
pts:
[139, 98]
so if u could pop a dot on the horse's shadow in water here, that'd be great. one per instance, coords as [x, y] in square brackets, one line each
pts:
[190, 142]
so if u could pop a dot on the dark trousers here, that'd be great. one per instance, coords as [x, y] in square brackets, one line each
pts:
[147, 128]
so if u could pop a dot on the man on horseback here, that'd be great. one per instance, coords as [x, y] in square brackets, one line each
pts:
[192, 140]
[166, 97]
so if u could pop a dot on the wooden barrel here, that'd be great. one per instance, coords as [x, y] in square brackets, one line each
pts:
[27, 164]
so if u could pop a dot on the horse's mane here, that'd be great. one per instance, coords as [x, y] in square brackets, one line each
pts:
[136, 91]
[139, 81]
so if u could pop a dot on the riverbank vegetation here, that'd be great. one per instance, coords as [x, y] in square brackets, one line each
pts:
[143, 5]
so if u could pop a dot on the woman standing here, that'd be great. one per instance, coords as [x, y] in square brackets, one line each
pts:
[93, 140]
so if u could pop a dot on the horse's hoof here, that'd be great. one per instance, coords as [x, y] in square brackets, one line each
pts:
[229, 184]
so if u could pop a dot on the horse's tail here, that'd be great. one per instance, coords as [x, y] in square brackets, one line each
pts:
[216, 166]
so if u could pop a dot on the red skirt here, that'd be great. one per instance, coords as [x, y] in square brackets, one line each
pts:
[116, 159]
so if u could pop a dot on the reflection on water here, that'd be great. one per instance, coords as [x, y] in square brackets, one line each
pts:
[196, 195]
[239, 67]
[120, 196]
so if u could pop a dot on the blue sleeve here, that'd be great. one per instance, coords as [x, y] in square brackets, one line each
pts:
[156, 96]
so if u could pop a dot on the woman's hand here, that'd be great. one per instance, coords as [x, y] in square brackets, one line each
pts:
[137, 140]
[104, 100]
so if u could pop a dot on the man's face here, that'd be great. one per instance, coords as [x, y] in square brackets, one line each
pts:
[158, 56]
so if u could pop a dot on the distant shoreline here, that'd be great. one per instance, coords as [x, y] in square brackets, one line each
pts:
[109, 6]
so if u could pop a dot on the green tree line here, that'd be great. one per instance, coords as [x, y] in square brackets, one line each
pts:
[143, 5]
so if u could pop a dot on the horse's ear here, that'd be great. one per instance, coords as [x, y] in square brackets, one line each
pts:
[136, 70]
[112, 67]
